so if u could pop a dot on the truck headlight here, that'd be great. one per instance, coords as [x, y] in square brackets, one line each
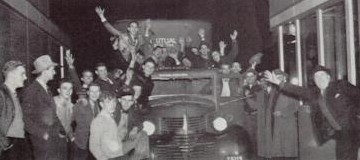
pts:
[149, 127]
[219, 124]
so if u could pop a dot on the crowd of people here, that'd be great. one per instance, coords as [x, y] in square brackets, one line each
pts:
[103, 118]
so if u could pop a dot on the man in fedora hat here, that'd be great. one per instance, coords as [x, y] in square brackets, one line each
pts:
[334, 105]
[41, 122]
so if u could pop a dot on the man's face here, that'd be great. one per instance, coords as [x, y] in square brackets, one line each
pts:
[140, 58]
[225, 69]
[157, 52]
[87, 77]
[281, 77]
[109, 105]
[204, 50]
[133, 28]
[195, 51]
[65, 90]
[236, 67]
[250, 78]
[101, 71]
[117, 73]
[322, 79]
[149, 68]
[50, 72]
[18, 76]
[126, 102]
[94, 93]
[173, 52]
[215, 56]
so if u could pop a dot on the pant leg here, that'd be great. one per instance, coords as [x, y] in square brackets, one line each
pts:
[19, 151]
[60, 148]
[345, 146]
[55, 148]
[39, 148]
[78, 153]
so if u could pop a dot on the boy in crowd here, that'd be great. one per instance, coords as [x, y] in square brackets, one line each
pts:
[107, 139]
[64, 106]
[80, 85]
[143, 85]
[85, 110]
[106, 82]
[133, 126]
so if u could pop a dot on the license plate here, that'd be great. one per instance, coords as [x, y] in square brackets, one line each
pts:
[234, 158]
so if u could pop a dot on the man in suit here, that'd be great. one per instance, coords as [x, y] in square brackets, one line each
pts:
[12, 134]
[333, 103]
[256, 95]
[229, 85]
[48, 137]
[132, 127]
[85, 110]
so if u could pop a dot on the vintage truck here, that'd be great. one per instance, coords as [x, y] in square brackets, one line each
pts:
[189, 120]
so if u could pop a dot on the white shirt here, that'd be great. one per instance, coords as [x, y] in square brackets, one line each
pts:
[225, 92]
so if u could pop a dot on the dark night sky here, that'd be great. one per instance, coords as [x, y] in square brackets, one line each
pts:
[90, 41]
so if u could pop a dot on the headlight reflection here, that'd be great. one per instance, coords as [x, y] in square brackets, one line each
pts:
[149, 127]
[220, 124]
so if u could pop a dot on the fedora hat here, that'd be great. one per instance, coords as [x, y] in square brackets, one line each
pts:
[42, 63]
[256, 58]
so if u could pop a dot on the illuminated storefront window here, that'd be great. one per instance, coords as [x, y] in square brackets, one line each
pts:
[335, 40]
[309, 47]
[289, 45]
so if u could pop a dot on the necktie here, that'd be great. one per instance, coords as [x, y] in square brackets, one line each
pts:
[325, 111]
[225, 92]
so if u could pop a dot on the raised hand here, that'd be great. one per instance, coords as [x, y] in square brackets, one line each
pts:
[271, 77]
[222, 45]
[234, 35]
[253, 65]
[100, 11]
[182, 41]
[188, 39]
[69, 59]
[201, 32]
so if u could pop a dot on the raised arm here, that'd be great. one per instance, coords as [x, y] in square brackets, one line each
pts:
[133, 58]
[100, 12]
[301, 92]
[230, 57]
[201, 34]
[234, 46]
[72, 72]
